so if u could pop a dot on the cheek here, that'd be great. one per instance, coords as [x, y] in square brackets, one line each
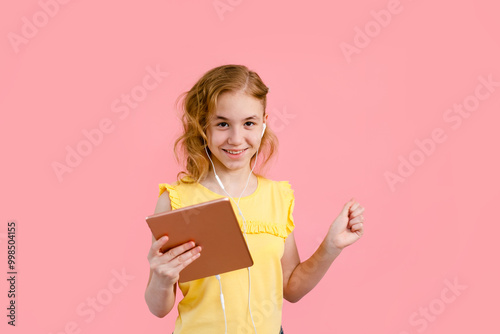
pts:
[216, 139]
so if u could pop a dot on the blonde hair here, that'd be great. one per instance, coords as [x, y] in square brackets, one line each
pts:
[199, 103]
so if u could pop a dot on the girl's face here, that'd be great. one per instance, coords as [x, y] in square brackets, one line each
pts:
[236, 126]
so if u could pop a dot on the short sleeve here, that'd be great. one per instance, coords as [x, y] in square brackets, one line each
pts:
[290, 203]
[175, 200]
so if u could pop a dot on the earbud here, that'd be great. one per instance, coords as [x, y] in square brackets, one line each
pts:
[263, 130]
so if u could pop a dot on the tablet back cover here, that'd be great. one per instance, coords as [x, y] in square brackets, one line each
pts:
[213, 226]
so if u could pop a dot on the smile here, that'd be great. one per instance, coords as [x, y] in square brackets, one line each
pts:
[235, 153]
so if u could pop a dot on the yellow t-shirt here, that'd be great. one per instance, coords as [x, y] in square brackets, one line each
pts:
[268, 214]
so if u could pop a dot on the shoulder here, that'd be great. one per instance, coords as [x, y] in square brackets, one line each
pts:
[167, 189]
[163, 203]
[173, 186]
[171, 193]
[278, 189]
[279, 185]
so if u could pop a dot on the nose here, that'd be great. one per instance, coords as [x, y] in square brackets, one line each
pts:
[235, 136]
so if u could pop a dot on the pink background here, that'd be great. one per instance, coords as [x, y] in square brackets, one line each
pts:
[350, 120]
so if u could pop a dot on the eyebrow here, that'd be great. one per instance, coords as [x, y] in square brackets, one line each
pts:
[224, 118]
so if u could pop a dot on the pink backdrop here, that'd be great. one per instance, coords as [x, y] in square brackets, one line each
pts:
[395, 103]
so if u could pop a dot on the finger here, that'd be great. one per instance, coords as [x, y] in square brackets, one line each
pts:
[174, 252]
[357, 211]
[158, 244]
[184, 264]
[359, 230]
[354, 206]
[188, 256]
[345, 209]
[357, 227]
[356, 220]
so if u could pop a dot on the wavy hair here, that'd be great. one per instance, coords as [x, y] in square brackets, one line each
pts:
[198, 105]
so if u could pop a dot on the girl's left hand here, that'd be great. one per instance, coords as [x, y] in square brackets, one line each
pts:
[348, 226]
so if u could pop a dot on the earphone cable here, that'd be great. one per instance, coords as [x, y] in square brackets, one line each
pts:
[244, 233]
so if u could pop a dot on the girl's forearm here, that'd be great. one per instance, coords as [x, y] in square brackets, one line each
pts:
[308, 273]
[159, 297]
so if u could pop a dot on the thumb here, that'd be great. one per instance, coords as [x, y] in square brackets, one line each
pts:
[347, 206]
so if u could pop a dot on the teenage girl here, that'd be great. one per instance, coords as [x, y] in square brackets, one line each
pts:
[225, 126]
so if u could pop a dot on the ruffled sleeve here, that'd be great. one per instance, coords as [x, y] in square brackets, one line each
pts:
[175, 200]
[290, 202]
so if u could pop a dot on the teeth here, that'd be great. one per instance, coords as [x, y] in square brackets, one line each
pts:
[234, 152]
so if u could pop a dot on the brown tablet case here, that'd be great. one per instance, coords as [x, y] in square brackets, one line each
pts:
[211, 225]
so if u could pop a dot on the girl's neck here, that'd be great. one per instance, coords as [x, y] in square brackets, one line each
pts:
[234, 183]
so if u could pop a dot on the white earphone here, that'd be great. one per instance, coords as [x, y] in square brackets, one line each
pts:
[244, 232]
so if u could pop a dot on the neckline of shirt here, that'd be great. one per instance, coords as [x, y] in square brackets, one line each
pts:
[259, 183]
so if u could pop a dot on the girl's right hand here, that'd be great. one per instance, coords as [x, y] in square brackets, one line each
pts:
[168, 265]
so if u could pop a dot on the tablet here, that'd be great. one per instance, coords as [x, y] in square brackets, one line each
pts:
[211, 225]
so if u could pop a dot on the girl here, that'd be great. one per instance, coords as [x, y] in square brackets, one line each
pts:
[225, 127]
